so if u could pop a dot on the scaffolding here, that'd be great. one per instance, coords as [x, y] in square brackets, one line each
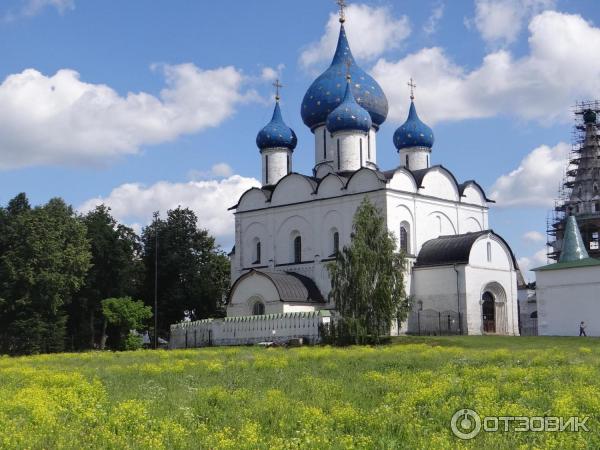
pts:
[583, 163]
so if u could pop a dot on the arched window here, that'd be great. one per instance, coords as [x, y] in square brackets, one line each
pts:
[258, 309]
[407, 161]
[489, 252]
[257, 255]
[289, 164]
[369, 146]
[324, 143]
[595, 189]
[336, 243]
[298, 249]
[439, 220]
[404, 238]
[420, 305]
[427, 160]
[361, 153]
[338, 153]
[267, 169]
[533, 315]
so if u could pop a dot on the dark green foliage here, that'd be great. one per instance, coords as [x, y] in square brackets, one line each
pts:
[193, 273]
[56, 268]
[44, 258]
[367, 281]
[123, 315]
[116, 271]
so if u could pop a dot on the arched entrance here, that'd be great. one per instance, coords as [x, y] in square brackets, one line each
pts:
[493, 309]
[488, 309]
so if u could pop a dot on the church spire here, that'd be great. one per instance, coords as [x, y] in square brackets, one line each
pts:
[573, 248]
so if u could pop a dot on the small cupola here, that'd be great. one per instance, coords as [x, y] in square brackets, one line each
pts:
[276, 142]
[414, 139]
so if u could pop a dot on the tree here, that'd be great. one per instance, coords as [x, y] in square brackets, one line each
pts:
[124, 315]
[193, 273]
[45, 257]
[116, 271]
[367, 280]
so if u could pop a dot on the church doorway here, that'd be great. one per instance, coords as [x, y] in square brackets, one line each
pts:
[493, 309]
[488, 309]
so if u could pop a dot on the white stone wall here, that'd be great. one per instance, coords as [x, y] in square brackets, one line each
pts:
[350, 155]
[278, 164]
[248, 330]
[296, 207]
[418, 158]
[326, 149]
[436, 288]
[565, 297]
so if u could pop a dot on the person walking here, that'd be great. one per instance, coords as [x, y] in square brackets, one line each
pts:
[582, 329]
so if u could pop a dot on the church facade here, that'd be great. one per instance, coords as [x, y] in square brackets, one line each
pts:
[287, 231]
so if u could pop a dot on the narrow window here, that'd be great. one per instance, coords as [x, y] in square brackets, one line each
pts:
[403, 239]
[427, 160]
[288, 164]
[298, 249]
[489, 252]
[369, 146]
[439, 219]
[595, 189]
[257, 260]
[258, 309]
[336, 242]
[324, 143]
[338, 153]
[407, 161]
[361, 155]
[266, 169]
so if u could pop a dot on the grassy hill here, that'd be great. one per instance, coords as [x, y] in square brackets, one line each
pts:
[401, 395]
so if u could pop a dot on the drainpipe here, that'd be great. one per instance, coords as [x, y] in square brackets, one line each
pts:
[458, 299]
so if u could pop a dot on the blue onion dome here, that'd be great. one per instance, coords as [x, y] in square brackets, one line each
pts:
[276, 133]
[349, 115]
[413, 132]
[327, 91]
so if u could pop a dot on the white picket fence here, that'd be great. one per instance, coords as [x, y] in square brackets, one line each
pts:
[244, 330]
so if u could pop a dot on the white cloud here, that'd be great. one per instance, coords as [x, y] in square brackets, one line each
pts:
[30, 8]
[385, 32]
[33, 7]
[534, 237]
[134, 203]
[501, 21]
[539, 86]
[437, 13]
[272, 73]
[220, 170]
[526, 263]
[60, 119]
[535, 182]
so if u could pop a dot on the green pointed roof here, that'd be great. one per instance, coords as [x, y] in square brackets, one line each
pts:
[573, 253]
[573, 248]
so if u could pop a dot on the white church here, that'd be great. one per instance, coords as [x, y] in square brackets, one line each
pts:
[287, 231]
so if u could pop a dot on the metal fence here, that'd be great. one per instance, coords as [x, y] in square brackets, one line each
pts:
[429, 322]
[529, 326]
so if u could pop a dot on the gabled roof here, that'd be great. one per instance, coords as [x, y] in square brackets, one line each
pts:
[291, 286]
[453, 249]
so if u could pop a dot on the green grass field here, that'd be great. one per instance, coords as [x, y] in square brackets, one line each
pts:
[401, 395]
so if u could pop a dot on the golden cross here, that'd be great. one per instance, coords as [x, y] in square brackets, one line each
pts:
[412, 88]
[342, 5]
[277, 86]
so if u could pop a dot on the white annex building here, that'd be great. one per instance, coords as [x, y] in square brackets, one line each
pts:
[290, 228]
[568, 291]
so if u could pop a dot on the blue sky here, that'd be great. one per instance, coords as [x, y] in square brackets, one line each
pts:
[146, 105]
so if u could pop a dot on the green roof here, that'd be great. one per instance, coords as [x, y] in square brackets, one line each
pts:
[573, 248]
[587, 262]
